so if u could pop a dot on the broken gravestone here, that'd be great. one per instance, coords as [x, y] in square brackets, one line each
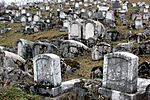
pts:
[120, 76]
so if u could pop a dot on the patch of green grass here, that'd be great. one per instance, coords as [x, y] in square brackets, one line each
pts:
[86, 64]
[10, 39]
[12, 93]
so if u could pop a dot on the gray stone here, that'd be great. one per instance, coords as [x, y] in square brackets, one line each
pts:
[120, 72]
[148, 92]
[47, 70]
[72, 48]
[142, 89]
[125, 47]
[75, 30]
[100, 50]
[25, 48]
[44, 47]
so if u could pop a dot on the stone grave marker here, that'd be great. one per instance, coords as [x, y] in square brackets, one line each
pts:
[23, 11]
[75, 30]
[120, 74]
[36, 18]
[100, 50]
[24, 48]
[29, 18]
[43, 47]
[47, 70]
[23, 19]
[89, 30]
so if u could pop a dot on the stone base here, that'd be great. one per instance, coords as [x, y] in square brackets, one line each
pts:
[56, 91]
[117, 95]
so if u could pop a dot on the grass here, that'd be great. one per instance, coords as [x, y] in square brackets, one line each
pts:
[10, 39]
[86, 64]
[12, 93]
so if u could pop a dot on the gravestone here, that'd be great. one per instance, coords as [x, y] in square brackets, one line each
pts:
[43, 47]
[75, 31]
[121, 71]
[24, 48]
[72, 48]
[23, 11]
[23, 19]
[66, 24]
[29, 18]
[120, 74]
[89, 30]
[47, 8]
[138, 22]
[47, 70]
[36, 18]
[100, 50]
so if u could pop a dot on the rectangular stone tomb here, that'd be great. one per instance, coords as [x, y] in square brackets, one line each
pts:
[47, 70]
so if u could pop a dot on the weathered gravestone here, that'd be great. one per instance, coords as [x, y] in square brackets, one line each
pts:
[75, 30]
[23, 19]
[25, 48]
[23, 11]
[72, 48]
[93, 29]
[47, 70]
[36, 18]
[120, 73]
[126, 47]
[89, 30]
[138, 22]
[44, 47]
[100, 50]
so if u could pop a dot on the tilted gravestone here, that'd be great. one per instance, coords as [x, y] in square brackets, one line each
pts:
[120, 73]
[47, 70]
